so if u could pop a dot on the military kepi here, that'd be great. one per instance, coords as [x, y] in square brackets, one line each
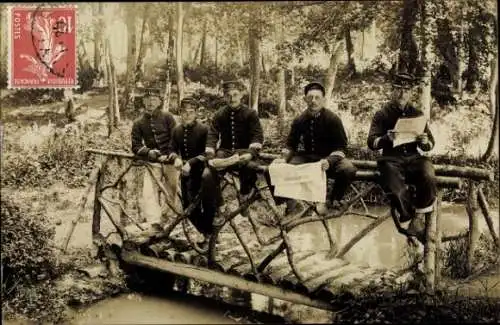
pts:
[403, 80]
[232, 84]
[152, 92]
[189, 101]
[312, 86]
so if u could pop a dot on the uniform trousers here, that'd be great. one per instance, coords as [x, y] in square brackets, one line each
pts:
[397, 172]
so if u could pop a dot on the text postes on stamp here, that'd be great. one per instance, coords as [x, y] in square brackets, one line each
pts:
[42, 47]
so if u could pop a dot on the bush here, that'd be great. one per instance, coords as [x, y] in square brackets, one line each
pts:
[59, 157]
[27, 254]
[455, 256]
[28, 257]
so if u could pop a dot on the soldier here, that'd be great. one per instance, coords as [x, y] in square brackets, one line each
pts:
[403, 164]
[151, 134]
[188, 144]
[238, 129]
[324, 140]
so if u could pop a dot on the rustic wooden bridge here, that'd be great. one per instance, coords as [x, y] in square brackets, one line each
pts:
[247, 254]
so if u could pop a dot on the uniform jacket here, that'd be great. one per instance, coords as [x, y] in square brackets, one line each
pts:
[384, 120]
[237, 129]
[322, 134]
[152, 131]
[190, 141]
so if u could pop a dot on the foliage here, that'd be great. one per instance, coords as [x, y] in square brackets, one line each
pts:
[455, 256]
[28, 257]
[407, 307]
[59, 156]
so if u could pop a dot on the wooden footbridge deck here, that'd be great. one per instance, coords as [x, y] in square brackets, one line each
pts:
[248, 254]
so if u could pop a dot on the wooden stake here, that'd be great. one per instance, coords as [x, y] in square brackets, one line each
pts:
[81, 207]
[471, 208]
[439, 234]
[96, 217]
[485, 209]
[430, 252]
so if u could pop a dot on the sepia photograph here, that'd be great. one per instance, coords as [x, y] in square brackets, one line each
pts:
[250, 162]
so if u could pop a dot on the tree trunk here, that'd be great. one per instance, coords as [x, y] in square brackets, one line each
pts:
[408, 54]
[332, 71]
[111, 93]
[351, 66]
[131, 54]
[203, 56]
[461, 58]
[112, 77]
[169, 56]
[178, 55]
[241, 58]
[494, 108]
[216, 54]
[98, 37]
[197, 52]
[139, 74]
[428, 22]
[472, 72]
[281, 83]
[264, 70]
[282, 100]
[255, 64]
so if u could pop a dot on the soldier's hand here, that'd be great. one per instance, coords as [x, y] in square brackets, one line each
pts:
[186, 169]
[423, 138]
[154, 154]
[163, 158]
[172, 156]
[391, 135]
[324, 164]
[209, 152]
[178, 163]
[279, 161]
[255, 146]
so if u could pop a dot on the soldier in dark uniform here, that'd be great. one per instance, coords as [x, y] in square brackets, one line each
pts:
[324, 140]
[151, 135]
[403, 164]
[238, 129]
[188, 144]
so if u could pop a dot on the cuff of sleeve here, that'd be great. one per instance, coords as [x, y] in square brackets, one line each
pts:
[255, 145]
[338, 153]
[143, 151]
[376, 142]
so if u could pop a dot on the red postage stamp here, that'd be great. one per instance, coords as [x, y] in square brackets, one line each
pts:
[42, 45]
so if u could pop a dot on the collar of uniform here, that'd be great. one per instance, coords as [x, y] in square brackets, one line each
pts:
[310, 114]
[190, 126]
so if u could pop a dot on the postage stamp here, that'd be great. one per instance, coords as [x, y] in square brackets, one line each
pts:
[42, 46]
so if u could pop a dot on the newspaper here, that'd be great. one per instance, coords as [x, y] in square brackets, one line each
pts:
[301, 182]
[407, 129]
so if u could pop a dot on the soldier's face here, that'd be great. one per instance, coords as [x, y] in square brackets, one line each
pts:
[188, 114]
[402, 95]
[151, 103]
[233, 97]
[314, 99]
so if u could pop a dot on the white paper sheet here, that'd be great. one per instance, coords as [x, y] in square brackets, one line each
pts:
[407, 129]
[302, 182]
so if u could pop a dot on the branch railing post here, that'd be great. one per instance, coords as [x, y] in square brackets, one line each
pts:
[439, 235]
[96, 216]
[430, 251]
[473, 238]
